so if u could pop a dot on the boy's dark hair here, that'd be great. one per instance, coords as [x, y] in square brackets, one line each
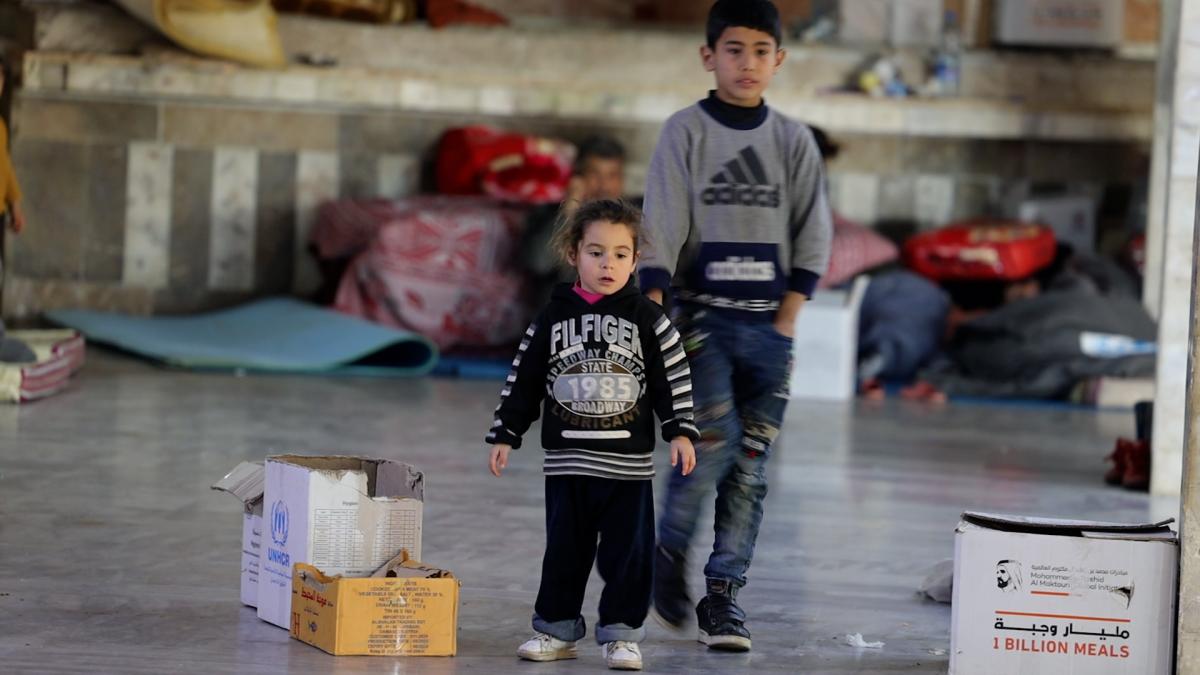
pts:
[600, 147]
[570, 230]
[761, 15]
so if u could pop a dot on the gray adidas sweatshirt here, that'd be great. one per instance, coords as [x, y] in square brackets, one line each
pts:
[736, 210]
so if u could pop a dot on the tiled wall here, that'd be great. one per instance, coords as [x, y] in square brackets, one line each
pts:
[175, 207]
[689, 12]
[930, 181]
[165, 206]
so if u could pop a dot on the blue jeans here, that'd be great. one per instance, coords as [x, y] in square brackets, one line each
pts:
[740, 378]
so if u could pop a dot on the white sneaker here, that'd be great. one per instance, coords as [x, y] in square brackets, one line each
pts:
[622, 655]
[542, 647]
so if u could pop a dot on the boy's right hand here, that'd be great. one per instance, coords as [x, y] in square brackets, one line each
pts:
[499, 458]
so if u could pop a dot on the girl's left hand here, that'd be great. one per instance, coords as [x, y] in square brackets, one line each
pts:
[682, 453]
[498, 458]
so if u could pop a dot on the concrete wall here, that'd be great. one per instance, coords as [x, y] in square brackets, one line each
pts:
[682, 12]
[167, 183]
[174, 206]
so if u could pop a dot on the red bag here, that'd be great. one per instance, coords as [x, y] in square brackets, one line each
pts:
[981, 250]
[513, 167]
[462, 156]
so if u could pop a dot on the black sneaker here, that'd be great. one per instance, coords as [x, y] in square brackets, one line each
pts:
[721, 620]
[671, 602]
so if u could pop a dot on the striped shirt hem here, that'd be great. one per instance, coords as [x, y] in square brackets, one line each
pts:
[617, 466]
[720, 302]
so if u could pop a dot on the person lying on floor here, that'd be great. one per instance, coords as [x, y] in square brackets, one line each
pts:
[1023, 338]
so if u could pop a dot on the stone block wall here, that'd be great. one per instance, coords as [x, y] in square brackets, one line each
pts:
[167, 183]
[168, 207]
[927, 182]
[176, 206]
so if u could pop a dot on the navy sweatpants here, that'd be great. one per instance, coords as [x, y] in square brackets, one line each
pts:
[607, 522]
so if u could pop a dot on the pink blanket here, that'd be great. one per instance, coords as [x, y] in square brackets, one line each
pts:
[437, 265]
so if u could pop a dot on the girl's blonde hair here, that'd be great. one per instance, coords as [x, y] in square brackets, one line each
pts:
[570, 230]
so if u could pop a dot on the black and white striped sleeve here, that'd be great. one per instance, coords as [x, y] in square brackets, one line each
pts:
[521, 398]
[671, 381]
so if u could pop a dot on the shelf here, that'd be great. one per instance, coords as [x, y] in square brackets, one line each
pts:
[171, 76]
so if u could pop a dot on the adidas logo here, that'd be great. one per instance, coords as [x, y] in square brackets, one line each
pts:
[743, 182]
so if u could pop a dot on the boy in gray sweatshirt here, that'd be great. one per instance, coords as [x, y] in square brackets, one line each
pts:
[739, 231]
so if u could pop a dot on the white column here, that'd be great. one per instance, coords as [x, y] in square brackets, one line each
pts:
[934, 200]
[147, 251]
[1188, 648]
[857, 197]
[397, 176]
[232, 219]
[1175, 276]
[317, 176]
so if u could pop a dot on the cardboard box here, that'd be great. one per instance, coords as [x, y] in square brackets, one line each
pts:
[1072, 217]
[1142, 19]
[825, 344]
[1049, 597]
[342, 515]
[1060, 23]
[412, 611]
[1118, 392]
[246, 483]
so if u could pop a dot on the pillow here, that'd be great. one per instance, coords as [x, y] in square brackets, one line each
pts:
[856, 249]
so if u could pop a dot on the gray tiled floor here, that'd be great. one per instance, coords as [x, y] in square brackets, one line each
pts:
[116, 557]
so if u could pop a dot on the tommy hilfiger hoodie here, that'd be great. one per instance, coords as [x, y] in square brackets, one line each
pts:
[600, 372]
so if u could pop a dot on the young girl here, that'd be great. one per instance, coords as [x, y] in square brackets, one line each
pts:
[605, 360]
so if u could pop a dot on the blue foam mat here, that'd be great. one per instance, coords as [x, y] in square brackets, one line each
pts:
[278, 335]
[472, 367]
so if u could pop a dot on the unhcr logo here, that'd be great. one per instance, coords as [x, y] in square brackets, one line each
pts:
[279, 523]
